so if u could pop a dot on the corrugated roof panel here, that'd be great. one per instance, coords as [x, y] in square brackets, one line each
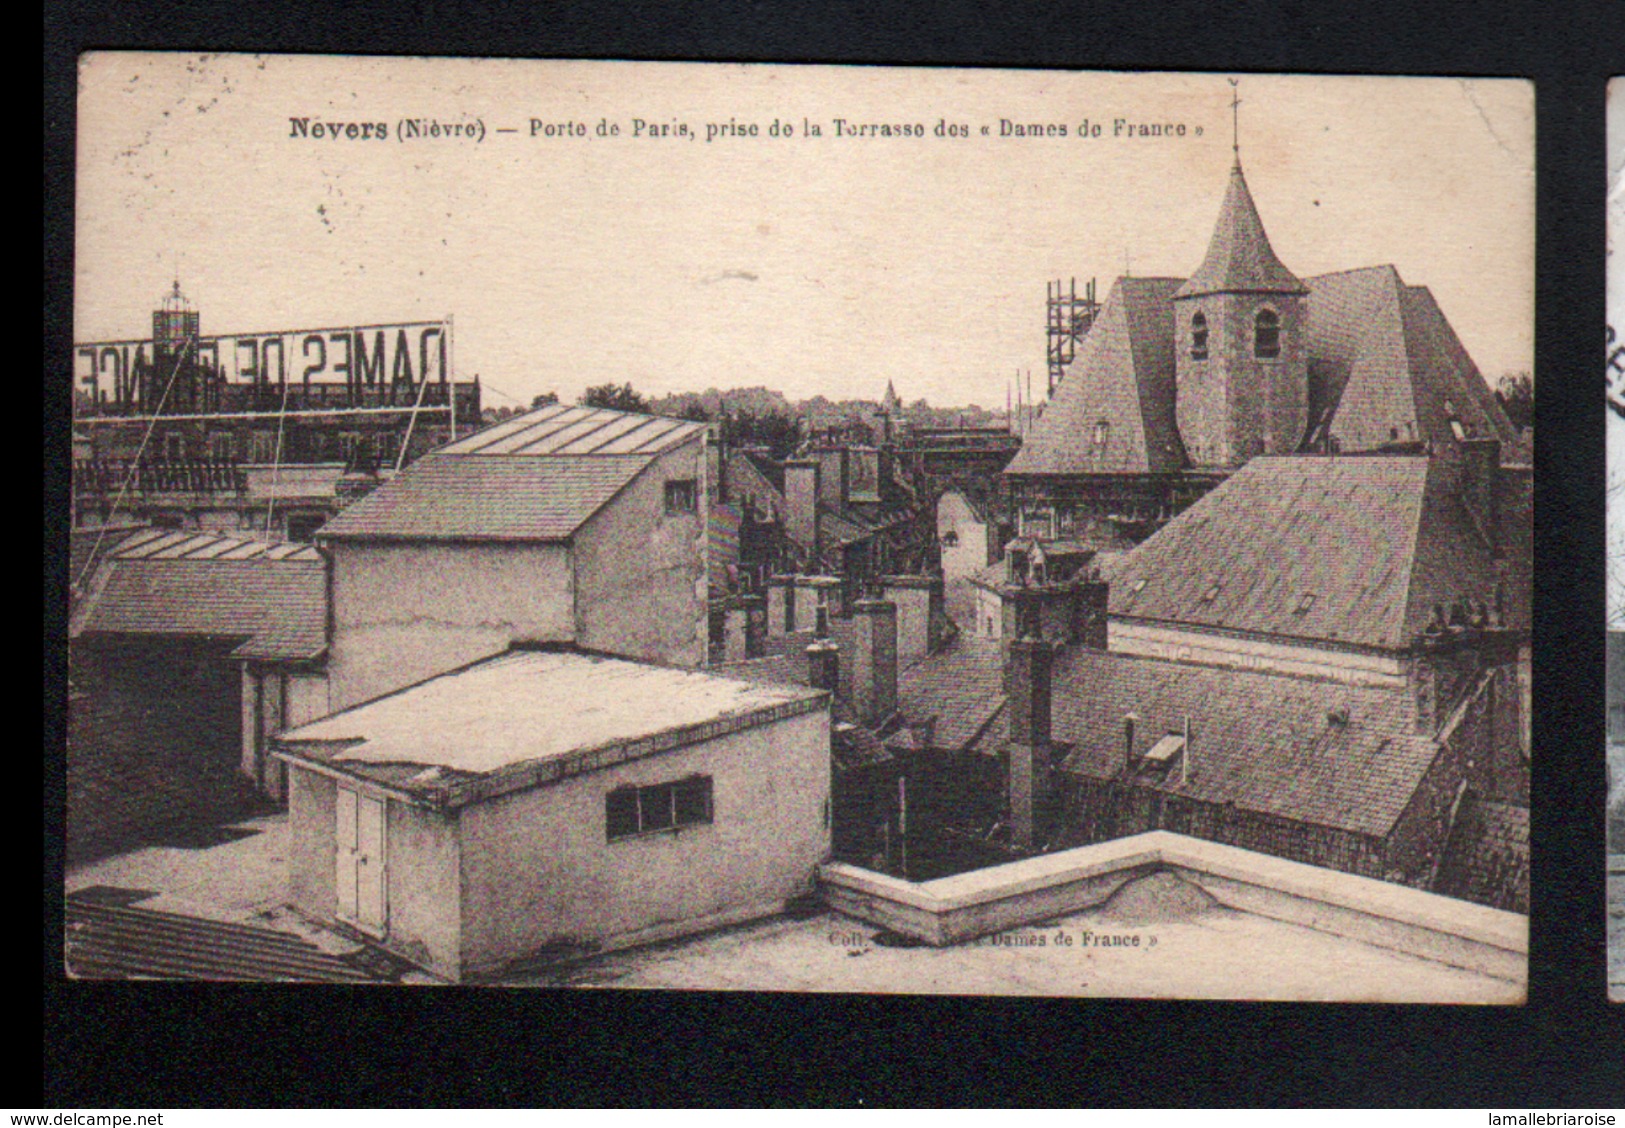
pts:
[218, 546]
[480, 440]
[564, 439]
[157, 544]
[140, 537]
[548, 422]
[191, 544]
[606, 434]
[246, 551]
[654, 435]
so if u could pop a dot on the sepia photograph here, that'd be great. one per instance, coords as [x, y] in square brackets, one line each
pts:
[793, 528]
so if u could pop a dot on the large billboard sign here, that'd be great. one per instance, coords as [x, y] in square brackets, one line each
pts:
[397, 355]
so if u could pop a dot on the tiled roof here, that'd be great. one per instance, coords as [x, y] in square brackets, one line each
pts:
[517, 498]
[1353, 550]
[961, 687]
[272, 596]
[1239, 257]
[1122, 377]
[561, 429]
[1266, 743]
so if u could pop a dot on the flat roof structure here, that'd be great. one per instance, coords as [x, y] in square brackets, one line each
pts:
[530, 717]
[1157, 916]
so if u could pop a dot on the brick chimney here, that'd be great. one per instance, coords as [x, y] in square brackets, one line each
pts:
[874, 660]
[801, 484]
[833, 476]
[1028, 693]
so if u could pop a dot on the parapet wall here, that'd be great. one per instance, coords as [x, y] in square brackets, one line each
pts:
[952, 910]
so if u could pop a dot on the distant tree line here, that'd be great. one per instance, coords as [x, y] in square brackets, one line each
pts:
[757, 416]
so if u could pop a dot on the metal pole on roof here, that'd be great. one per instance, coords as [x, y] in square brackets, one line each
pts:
[411, 421]
[451, 377]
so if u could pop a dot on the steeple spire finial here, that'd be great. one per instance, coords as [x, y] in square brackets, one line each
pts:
[1235, 120]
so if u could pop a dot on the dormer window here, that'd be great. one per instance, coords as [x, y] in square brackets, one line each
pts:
[1199, 337]
[1267, 334]
[1103, 431]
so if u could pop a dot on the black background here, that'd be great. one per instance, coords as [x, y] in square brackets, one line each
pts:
[160, 1045]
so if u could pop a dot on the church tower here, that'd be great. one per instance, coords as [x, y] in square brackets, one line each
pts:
[1241, 327]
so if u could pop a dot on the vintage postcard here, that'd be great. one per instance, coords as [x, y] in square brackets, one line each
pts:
[789, 528]
[1616, 545]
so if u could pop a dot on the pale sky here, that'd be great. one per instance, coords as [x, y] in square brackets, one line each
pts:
[813, 266]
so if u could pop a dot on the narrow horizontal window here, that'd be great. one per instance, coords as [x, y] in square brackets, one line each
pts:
[631, 811]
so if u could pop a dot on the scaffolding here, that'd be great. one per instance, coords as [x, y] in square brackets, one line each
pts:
[1069, 316]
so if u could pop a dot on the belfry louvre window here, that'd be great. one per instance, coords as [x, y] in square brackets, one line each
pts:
[1199, 337]
[662, 806]
[1267, 334]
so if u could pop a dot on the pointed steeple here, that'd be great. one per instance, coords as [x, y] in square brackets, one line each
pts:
[892, 404]
[1240, 259]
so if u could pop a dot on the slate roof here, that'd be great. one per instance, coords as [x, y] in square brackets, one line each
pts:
[1387, 366]
[1263, 742]
[960, 687]
[516, 498]
[1384, 364]
[1353, 550]
[185, 584]
[1122, 376]
[1239, 256]
[536, 477]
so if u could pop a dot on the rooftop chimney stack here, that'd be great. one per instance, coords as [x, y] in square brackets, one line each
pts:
[1129, 720]
[823, 656]
[874, 660]
[801, 486]
[1028, 686]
